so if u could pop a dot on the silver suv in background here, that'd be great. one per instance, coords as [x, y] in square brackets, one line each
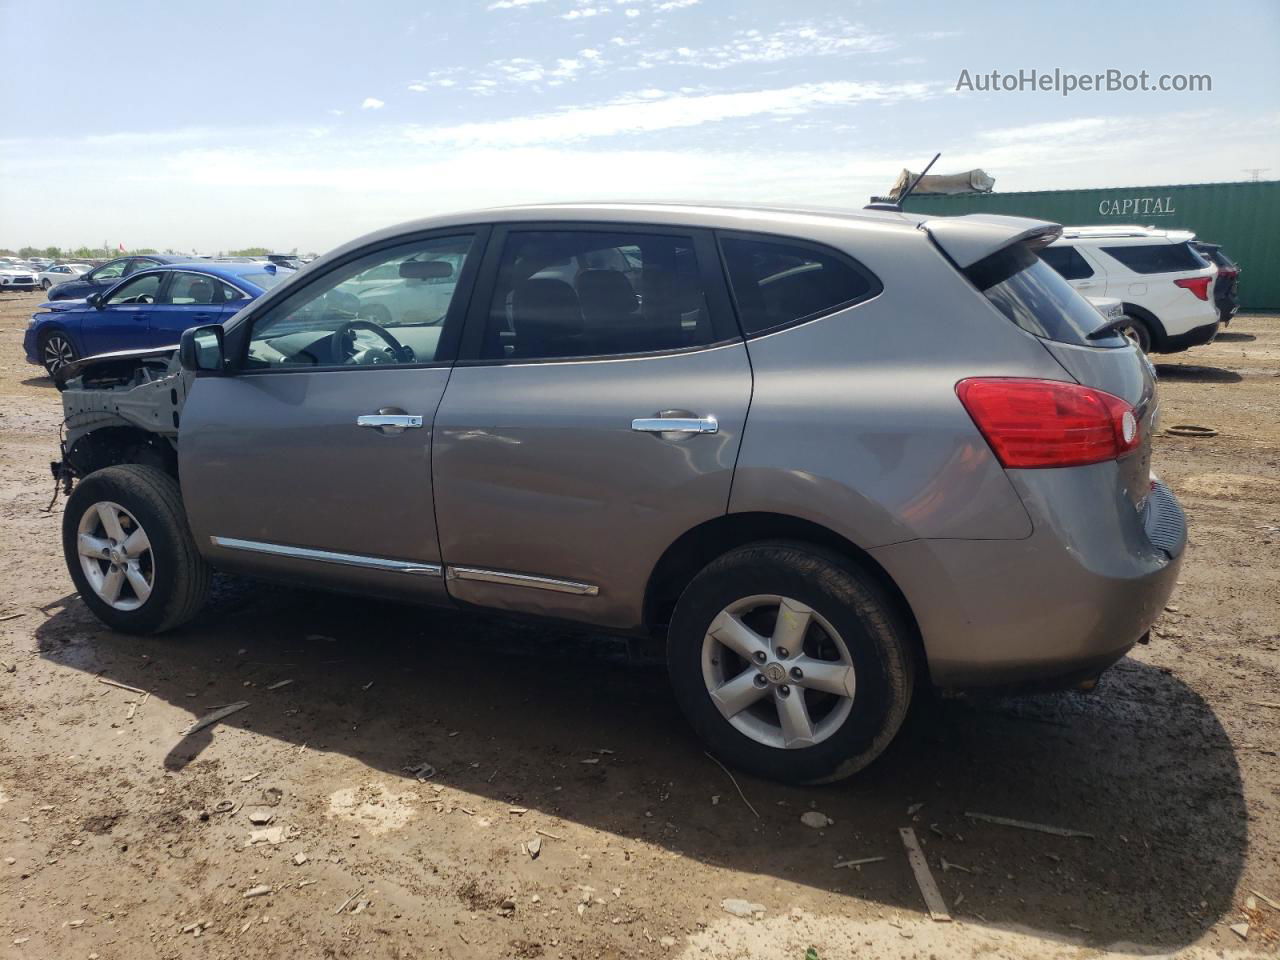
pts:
[827, 458]
[1165, 284]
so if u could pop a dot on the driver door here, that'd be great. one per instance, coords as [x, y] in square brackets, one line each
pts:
[122, 319]
[311, 460]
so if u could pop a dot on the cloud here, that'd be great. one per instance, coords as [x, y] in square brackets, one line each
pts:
[646, 113]
[789, 42]
[579, 13]
[513, 4]
[418, 87]
[632, 12]
[372, 103]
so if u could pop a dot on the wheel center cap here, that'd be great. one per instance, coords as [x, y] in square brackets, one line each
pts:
[775, 673]
[117, 555]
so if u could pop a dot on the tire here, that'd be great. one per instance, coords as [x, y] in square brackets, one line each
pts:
[56, 351]
[1137, 331]
[45, 284]
[870, 638]
[174, 577]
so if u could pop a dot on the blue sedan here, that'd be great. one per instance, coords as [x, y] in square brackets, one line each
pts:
[149, 308]
[103, 278]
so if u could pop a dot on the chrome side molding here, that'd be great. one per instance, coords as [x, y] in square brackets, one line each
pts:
[481, 575]
[327, 556]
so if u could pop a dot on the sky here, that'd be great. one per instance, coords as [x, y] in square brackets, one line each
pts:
[206, 127]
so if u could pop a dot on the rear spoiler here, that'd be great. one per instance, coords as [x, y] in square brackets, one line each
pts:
[976, 236]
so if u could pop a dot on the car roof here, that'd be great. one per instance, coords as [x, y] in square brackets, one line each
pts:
[964, 238]
[223, 271]
[1126, 232]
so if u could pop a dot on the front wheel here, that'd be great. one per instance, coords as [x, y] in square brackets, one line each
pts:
[130, 552]
[790, 663]
[45, 284]
[56, 351]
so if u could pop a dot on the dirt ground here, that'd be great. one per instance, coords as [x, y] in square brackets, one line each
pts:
[120, 838]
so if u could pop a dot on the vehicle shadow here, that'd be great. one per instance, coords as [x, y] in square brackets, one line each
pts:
[509, 711]
[1195, 373]
[42, 381]
[1229, 337]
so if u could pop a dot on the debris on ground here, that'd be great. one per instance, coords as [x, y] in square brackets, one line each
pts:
[272, 796]
[422, 772]
[742, 908]
[209, 718]
[272, 835]
[1241, 930]
[534, 847]
[278, 684]
[1274, 905]
[261, 817]
[347, 901]
[260, 891]
[915, 808]
[812, 818]
[734, 781]
[924, 879]
[299, 859]
[123, 686]
[845, 864]
[1027, 825]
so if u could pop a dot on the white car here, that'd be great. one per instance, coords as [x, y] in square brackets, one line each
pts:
[61, 273]
[1164, 285]
[14, 275]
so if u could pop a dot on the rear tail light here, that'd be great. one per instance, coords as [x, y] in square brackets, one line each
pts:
[1047, 423]
[1197, 285]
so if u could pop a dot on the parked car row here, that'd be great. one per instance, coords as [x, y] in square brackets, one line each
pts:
[827, 460]
[1174, 290]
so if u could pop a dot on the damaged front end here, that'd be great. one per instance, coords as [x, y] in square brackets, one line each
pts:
[121, 408]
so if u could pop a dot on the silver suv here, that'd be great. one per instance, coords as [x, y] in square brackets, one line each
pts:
[829, 458]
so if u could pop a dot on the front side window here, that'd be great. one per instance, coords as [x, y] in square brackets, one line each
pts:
[141, 289]
[1157, 257]
[1068, 262]
[386, 307]
[579, 293]
[776, 282]
[110, 271]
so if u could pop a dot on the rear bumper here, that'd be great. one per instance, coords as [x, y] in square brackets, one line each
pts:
[1173, 343]
[1060, 605]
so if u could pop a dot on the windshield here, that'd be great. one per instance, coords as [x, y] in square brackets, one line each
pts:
[1035, 296]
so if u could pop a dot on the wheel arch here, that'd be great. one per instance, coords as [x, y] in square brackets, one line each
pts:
[115, 445]
[1154, 326]
[697, 547]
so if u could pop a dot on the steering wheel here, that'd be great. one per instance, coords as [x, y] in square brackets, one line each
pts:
[399, 352]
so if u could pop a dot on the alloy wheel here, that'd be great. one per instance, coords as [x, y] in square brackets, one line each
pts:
[116, 556]
[57, 352]
[778, 671]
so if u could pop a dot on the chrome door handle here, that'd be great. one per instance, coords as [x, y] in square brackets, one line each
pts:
[676, 425]
[390, 423]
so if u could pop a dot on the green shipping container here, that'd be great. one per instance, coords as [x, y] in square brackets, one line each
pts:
[1243, 217]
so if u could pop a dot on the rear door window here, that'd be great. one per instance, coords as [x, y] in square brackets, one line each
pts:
[1038, 299]
[1068, 262]
[1157, 257]
[776, 282]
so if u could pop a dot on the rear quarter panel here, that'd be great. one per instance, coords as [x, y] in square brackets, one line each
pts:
[855, 423]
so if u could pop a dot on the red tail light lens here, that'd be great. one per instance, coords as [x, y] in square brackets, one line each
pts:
[1047, 423]
[1197, 285]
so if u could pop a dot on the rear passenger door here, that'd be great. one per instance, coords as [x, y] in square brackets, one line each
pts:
[189, 300]
[594, 416]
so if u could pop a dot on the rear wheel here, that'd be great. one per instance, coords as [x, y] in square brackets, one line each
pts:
[789, 663]
[129, 550]
[1137, 331]
[56, 351]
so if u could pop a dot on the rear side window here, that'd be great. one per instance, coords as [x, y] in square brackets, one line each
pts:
[585, 293]
[1068, 262]
[1157, 257]
[776, 282]
[1037, 298]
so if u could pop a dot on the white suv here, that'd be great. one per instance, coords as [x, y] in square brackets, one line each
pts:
[1165, 286]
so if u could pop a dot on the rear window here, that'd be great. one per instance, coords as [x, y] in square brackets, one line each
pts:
[1037, 298]
[1157, 257]
[1067, 261]
[266, 280]
[777, 282]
